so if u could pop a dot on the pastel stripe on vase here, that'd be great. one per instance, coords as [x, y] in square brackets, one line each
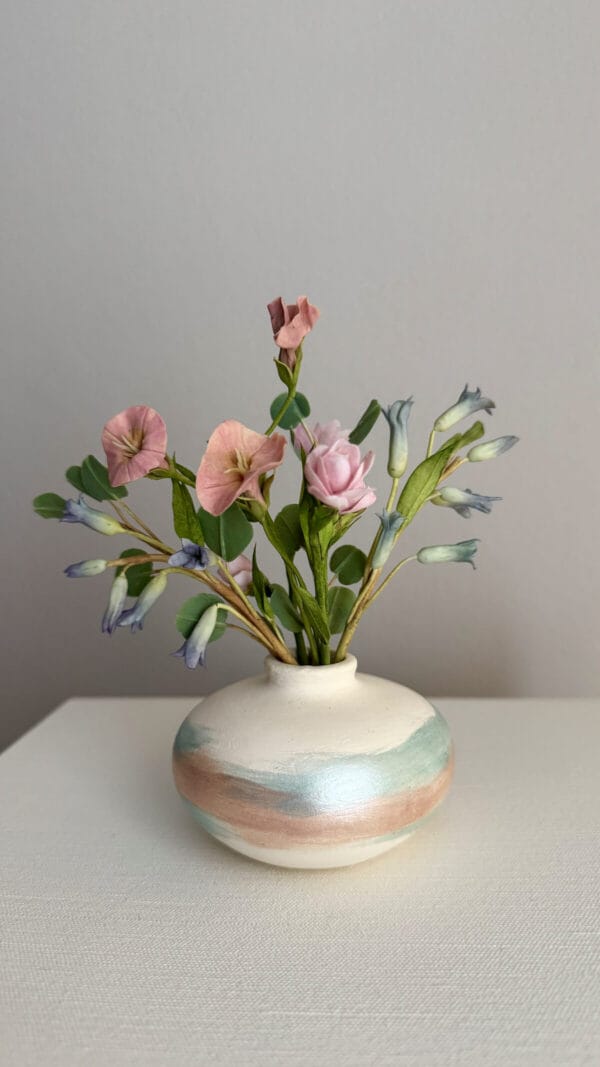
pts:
[313, 767]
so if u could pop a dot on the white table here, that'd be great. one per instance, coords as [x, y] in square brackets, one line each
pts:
[128, 937]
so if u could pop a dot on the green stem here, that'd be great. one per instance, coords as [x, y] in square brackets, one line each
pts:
[285, 407]
[318, 563]
[392, 497]
[430, 444]
[387, 579]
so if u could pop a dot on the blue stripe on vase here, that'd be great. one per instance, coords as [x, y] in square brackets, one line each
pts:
[337, 783]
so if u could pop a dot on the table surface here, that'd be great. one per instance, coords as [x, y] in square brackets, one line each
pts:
[129, 937]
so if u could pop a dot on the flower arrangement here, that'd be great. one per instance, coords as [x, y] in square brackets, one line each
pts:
[233, 485]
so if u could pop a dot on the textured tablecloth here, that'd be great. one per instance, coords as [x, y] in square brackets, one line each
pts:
[128, 937]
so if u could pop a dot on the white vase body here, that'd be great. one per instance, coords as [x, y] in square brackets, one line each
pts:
[312, 766]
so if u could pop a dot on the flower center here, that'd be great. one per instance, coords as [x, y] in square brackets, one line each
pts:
[241, 463]
[130, 443]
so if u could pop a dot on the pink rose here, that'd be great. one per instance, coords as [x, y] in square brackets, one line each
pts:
[321, 435]
[335, 475]
[291, 323]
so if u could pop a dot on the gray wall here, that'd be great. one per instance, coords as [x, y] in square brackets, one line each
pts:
[428, 172]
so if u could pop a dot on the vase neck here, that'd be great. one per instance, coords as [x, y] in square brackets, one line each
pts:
[311, 679]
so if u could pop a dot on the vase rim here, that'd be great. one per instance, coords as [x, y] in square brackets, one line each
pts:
[299, 674]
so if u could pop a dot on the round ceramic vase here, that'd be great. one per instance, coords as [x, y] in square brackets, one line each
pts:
[312, 766]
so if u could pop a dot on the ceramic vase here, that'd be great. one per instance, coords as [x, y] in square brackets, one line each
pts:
[312, 766]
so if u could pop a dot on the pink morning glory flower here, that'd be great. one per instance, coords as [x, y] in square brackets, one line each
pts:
[335, 475]
[135, 442]
[235, 457]
[291, 323]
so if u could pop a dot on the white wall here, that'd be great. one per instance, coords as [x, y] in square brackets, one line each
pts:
[429, 173]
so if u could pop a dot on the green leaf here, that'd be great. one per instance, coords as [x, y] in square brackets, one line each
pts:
[261, 589]
[298, 410]
[185, 519]
[94, 476]
[137, 576]
[366, 423]
[185, 471]
[158, 474]
[314, 613]
[227, 534]
[424, 480]
[476, 431]
[304, 515]
[285, 610]
[288, 529]
[348, 563]
[49, 506]
[285, 374]
[426, 476]
[341, 602]
[192, 611]
[73, 476]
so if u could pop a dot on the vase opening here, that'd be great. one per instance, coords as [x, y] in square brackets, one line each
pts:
[324, 677]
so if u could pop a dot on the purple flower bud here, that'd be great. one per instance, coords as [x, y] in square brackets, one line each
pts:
[467, 404]
[491, 449]
[462, 552]
[88, 568]
[193, 650]
[79, 511]
[463, 500]
[390, 524]
[116, 603]
[397, 417]
[134, 616]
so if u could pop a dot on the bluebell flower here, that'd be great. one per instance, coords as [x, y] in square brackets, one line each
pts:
[391, 521]
[134, 616]
[467, 404]
[397, 417]
[193, 649]
[462, 552]
[79, 511]
[463, 500]
[191, 556]
[88, 568]
[491, 449]
[116, 603]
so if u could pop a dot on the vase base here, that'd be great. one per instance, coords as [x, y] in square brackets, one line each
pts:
[317, 858]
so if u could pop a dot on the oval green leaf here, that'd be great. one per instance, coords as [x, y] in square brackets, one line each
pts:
[137, 576]
[94, 476]
[348, 563]
[288, 529]
[341, 602]
[366, 423]
[49, 506]
[227, 534]
[298, 410]
[73, 476]
[285, 610]
[185, 520]
[192, 611]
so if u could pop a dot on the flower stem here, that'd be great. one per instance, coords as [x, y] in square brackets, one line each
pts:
[354, 616]
[430, 444]
[140, 522]
[387, 579]
[392, 497]
[286, 405]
